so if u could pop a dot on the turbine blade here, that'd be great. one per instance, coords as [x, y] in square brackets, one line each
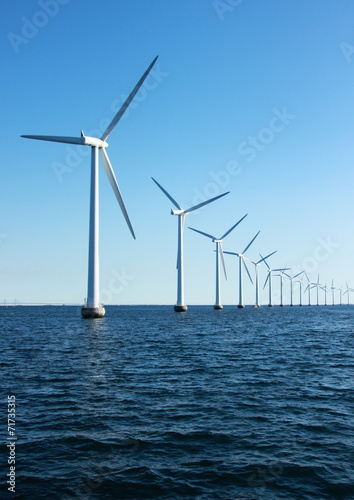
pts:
[264, 258]
[112, 179]
[231, 253]
[250, 243]
[204, 203]
[167, 194]
[283, 269]
[55, 138]
[245, 266]
[266, 281]
[222, 259]
[125, 105]
[201, 232]
[233, 227]
[298, 274]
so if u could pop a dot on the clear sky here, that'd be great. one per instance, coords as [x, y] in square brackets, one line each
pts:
[251, 97]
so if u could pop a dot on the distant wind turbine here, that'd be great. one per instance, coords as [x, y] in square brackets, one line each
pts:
[219, 252]
[269, 280]
[300, 289]
[93, 308]
[348, 290]
[332, 289]
[256, 264]
[291, 278]
[308, 288]
[241, 261]
[181, 213]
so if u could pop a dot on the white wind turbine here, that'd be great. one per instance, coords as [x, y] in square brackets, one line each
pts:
[348, 290]
[317, 286]
[219, 252]
[332, 288]
[241, 261]
[300, 290]
[291, 278]
[324, 288]
[308, 288]
[93, 308]
[281, 278]
[180, 305]
[256, 264]
[269, 280]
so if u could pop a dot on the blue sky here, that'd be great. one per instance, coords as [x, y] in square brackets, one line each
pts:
[251, 97]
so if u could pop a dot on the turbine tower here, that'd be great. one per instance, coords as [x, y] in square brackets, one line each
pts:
[92, 308]
[256, 264]
[181, 213]
[219, 251]
[241, 261]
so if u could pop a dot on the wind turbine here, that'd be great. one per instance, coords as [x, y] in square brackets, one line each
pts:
[308, 288]
[92, 308]
[241, 262]
[256, 264]
[181, 213]
[269, 279]
[219, 251]
[324, 288]
[332, 288]
[340, 295]
[348, 290]
[300, 290]
[316, 285]
[291, 285]
[281, 276]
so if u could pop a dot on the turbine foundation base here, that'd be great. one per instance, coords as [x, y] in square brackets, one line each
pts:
[241, 306]
[256, 306]
[92, 312]
[180, 309]
[218, 306]
[270, 305]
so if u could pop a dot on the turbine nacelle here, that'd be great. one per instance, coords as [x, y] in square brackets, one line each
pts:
[177, 212]
[95, 142]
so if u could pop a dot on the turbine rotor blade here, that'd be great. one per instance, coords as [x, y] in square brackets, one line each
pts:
[112, 179]
[201, 232]
[204, 203]
[245, 266]
[264, 258]
[250, 243]
[126, 103]
[298, 274]
[233, 227]
[55, 138]
[231, 253]
[266, 281]
[222, 259]
[167, 194]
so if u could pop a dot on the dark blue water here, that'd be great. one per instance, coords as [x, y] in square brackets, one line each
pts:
[147, 403]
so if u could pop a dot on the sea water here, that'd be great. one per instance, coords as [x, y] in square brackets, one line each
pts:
[147, 403]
